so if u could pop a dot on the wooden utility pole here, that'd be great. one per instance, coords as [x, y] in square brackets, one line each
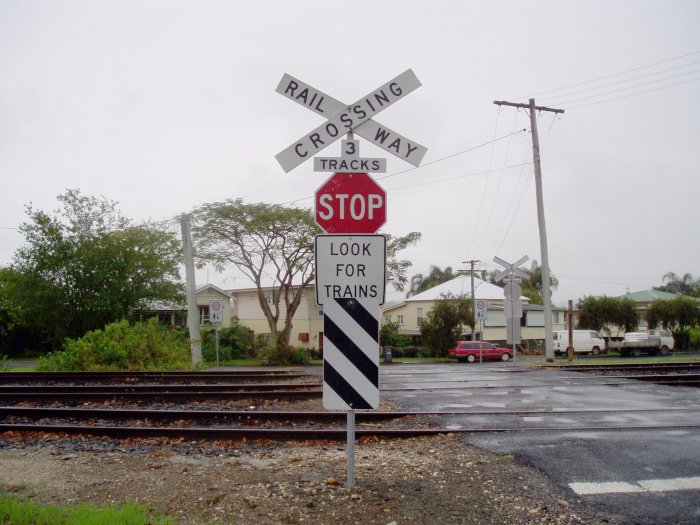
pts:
[546, 290]
[471, 272]
[192, 310]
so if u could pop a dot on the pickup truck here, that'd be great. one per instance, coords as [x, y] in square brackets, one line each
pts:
[651, 342]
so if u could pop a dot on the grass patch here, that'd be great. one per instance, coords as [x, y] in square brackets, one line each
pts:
[423, 360]
[626, 360]
[250, 361]
[16, 511]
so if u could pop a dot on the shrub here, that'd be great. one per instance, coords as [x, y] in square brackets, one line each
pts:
[121, 346]
[270, 356]
[235, 342]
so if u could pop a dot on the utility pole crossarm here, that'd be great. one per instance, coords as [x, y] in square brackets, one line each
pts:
[526, 106]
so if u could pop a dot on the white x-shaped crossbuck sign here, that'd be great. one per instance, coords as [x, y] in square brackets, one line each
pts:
[512, 268]
[342, 119]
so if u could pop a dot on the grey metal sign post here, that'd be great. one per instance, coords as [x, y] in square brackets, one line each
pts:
[512, 304]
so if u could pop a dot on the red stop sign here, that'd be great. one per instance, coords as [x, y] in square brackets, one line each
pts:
[350, 203]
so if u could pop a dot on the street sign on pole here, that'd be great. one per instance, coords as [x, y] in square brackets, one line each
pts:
[216, 312]
[344, 118]
[480, 313]
[350, 203]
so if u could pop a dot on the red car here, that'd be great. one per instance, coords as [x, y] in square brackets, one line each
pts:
[471, 351]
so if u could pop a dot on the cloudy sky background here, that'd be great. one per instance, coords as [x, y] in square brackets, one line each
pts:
[166, 105]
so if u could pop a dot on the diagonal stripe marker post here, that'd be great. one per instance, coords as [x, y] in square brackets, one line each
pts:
[350, 285]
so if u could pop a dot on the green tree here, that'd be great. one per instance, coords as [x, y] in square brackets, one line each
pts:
[85, 265]
[396, 268]
[435, 276]
[265, 242]
[271, 242]
[684, 284]
[445, 323]
[389, 335]
[607, 313]
[679, 315]
[532, 287]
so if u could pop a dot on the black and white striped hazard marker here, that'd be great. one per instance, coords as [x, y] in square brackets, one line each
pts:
[350, 354]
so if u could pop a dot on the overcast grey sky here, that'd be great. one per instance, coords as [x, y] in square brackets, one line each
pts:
[166, 105]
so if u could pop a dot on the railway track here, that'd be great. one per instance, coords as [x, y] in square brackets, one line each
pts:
[237, 425]
[28, 396]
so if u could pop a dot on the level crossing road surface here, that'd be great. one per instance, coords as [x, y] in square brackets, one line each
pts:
[628, 448]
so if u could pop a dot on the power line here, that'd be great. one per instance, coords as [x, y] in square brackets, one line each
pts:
[634, 94]
[625, 81]
[613, 75]
[425, 164]
[630, 87]
[486, 172]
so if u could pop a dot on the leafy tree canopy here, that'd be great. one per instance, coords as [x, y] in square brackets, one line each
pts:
[273, 245]
[435, 276]
[445, 323]
[607, 313]
[684, 285]
[84, 266]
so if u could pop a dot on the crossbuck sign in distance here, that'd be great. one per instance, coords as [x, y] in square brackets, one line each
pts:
[343, 119]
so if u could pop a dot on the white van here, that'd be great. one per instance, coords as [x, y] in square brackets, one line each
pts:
[585, 341]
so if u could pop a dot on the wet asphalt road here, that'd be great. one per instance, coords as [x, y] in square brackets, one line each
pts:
[628, 448]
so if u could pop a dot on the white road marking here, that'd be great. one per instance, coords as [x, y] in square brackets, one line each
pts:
[607, 487]
[644, 485]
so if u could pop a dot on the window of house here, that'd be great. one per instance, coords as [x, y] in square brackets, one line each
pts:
[203, 314]
[495, 318]
[387, 318]
[320, 312]
[399, 319]
[535, 318]
[419, 316]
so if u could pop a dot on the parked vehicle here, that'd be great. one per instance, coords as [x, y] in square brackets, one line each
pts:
[652, 342]
[585, 342]
[470, 351]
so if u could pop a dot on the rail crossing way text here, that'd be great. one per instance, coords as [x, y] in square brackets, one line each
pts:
[343, 119]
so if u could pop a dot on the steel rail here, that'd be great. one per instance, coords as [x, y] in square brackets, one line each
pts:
[161, 377]
[118, 389]
[160, 396]
[631, 366]
[199, 415]
[297, 433]
[327, 415]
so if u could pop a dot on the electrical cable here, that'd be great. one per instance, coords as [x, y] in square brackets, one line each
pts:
[486, 182]
[423, 165]
[604, 86]
[628, 88]
[632, 94]
[498, 188]
[611, 76]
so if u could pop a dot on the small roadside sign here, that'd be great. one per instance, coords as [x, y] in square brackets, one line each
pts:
[480, 312]
[216, 312]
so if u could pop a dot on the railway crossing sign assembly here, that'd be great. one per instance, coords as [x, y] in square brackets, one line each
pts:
[342, 119]
[512, 304]
[350, 261]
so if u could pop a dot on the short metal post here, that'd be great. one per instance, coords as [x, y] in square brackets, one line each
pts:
[351, 448]
[216, 344]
